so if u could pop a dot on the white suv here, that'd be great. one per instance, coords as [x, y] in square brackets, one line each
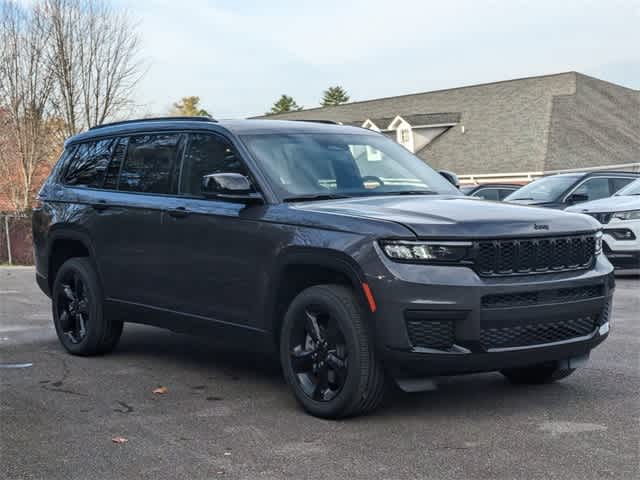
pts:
[620, 217]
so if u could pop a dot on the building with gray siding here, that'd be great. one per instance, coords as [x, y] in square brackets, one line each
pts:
[524, 126]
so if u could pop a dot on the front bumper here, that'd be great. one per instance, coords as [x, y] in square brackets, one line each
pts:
[622, 253]
[403, 364]
[485, 337]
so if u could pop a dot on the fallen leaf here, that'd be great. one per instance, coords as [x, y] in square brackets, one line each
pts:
[119, 440]
[160, 390]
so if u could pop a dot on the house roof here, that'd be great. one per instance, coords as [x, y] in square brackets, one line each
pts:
[416, 119]
[527, 124]
[381, 123]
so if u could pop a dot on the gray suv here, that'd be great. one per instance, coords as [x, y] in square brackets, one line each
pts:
[331, 245]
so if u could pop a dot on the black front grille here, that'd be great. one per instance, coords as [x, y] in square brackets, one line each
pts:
[603, 218]
[431, 334]
[560, 295]
[533, 255]
[537, 333]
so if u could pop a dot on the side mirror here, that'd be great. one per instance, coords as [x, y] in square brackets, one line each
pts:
[577, 198]
[451, 177]
[230, 186]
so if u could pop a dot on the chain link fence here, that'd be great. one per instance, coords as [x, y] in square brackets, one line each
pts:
[16, 245]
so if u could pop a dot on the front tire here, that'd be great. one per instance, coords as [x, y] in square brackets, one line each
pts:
[78, 313]
[328, 355]
[537, 374]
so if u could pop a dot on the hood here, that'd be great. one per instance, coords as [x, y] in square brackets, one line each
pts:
[456, 216]
[619, 203]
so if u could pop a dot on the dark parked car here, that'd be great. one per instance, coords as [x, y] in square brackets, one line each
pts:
[490, 191]
[563, 190]
[331, 245]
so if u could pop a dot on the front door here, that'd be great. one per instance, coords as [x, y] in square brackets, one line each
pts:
[216, 248]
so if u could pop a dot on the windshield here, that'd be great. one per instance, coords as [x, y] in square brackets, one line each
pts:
[342, 165]
[632, 189]
[546, 189]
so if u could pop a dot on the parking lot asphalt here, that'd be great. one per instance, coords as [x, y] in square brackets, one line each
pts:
[228, 414]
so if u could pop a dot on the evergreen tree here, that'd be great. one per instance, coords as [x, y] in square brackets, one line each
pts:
[334, 96]
[284, 104]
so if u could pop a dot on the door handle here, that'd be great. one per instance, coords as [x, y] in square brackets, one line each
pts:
[179, 212]
[100, 205]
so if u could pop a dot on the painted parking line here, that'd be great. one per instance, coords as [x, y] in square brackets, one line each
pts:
[16, 365]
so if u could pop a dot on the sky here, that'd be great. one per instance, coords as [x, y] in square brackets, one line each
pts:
[240, 56]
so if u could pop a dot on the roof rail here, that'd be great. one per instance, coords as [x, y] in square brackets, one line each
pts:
[330, 122]
[155, 119]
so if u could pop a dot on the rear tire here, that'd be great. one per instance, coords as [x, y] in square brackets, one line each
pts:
[78, 313]
[328, 354]
[536, 374]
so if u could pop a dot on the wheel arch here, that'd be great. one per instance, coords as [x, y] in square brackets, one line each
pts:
[302, 268]
[64, 244]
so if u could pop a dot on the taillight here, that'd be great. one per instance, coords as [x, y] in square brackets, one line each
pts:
[37, 203]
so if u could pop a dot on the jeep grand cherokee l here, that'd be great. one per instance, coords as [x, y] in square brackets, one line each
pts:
[333, 245]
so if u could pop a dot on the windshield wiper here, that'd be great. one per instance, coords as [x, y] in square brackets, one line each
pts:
[320, 196]
[521, 198]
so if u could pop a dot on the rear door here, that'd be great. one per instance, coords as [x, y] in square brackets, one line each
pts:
[127, 232]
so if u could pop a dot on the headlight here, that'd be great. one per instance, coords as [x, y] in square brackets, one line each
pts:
[628, 215]
[428, 252]
[598, 242]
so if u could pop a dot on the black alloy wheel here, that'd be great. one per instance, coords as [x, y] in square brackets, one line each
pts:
[78, 310]
[73, 307]
[328, 353]
[319, 356]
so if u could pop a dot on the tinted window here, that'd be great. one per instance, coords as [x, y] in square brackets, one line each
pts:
[149, 163]
[618, 183]
[113, 170]
[89, 164]
[594, 188]
[504, 193]
[487, 194]
[546, 189]
[207, 154]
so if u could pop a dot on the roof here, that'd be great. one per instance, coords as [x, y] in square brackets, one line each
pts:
[599, 173]
[238, 127]
[418, 119]
[381, 123]
[550, 122]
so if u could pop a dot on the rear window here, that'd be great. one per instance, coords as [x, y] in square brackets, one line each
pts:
[150, 162]
[88, 165]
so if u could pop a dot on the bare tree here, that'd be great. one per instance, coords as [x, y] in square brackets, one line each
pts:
[95, 58]
[26, 83]
[65, 65]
